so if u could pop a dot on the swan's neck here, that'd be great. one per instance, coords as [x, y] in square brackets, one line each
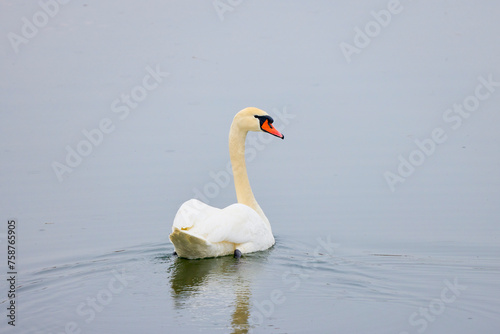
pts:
[244, 192]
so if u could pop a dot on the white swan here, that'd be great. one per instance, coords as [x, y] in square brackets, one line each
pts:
[200, 230]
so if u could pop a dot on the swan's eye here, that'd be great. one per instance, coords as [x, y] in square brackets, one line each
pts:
[263, 119]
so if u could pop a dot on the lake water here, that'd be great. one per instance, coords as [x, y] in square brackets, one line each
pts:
[113, 114]
[302, 284]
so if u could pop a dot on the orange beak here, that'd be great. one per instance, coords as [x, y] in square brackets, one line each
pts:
[269, 128]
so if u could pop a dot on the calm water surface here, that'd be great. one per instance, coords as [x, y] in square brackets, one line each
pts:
[352, 255]
[300, 285]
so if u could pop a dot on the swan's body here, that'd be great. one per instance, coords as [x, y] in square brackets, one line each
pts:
[200, 230]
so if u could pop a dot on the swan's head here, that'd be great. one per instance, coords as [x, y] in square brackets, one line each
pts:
[254, 119]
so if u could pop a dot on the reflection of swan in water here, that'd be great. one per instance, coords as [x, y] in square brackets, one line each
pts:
[215, 287]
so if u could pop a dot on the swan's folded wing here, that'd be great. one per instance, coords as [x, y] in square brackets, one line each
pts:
[236, 223]
[191, 213]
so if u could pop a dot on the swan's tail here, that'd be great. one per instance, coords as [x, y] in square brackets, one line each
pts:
[190, 246]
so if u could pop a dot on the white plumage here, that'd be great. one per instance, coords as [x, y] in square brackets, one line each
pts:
[200, 230]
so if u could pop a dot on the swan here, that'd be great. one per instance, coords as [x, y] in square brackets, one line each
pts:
[200, 230]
